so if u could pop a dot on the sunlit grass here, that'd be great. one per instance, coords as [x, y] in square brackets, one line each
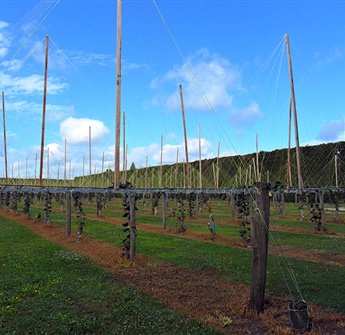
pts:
[46, 289]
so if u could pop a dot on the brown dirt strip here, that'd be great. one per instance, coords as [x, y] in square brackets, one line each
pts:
[199, 295]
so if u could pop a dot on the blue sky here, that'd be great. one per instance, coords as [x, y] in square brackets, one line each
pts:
[229, 57]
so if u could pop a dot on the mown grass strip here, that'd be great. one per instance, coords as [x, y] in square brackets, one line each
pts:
[319, 283]
[47, 289]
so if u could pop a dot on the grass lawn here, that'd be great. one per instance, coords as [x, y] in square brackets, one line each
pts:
[46, 289]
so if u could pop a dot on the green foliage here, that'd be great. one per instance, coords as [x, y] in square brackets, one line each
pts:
[181, 212]
[7, 200]
[126, 242]
[80, 217]
[101, 201]
[191, 197]
[47, 206]
[316, 216]
[14, 203]
[27, 203]
[242, 205]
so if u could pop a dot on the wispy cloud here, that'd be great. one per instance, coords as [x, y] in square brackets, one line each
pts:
[331, 56]
[4, 39]
[84, 58]
[207, 80]
[210, 82]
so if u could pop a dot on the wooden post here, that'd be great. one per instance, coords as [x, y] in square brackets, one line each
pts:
[124, 167]
[176, 168]
[44, 109]
[132, 227]
[68, 212]
[161, 164]
[260, 245]
[65, 168]
[118, 95]
[336, 169]
[90, 156]
[258, 176]
[288, 171]
[5, 146]
[185, 139]
[217, 178]
[294, 109]
[200, 169]
[164, 210]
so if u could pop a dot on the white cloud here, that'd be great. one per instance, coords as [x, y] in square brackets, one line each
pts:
[207, 80]
[3, 25]
[4, 40]
[153, 151]
[83, 58]
[56, 152]
[32, 111]
[77, 130]
[32, 84]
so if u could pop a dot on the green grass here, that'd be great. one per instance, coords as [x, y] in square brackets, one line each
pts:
[328, 243]
[319, 283]
[46, 289]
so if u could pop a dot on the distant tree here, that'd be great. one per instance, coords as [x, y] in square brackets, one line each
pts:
[132, 168]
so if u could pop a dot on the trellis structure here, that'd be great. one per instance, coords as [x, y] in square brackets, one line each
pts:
[259, 200]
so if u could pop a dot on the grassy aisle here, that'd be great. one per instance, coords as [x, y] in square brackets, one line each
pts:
[47, 289]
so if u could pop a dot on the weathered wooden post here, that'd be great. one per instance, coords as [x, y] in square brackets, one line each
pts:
[132, 227]
[164, 210]
[260, 228]
[68, 212]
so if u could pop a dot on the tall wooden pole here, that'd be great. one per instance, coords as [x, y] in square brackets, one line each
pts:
[35, 168]
[90, 156]
[146, 176]
[118, 95]
[258, 177]
[200, 168]
[124, 148]
[161, 164]
[288, 174]
[44, 108]
[102, 169]
[336, 169]
[185, 139]
[176, 170]
[65, 162]
[5, 145]
[299, 171]
[217, 171]
[48, 172]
